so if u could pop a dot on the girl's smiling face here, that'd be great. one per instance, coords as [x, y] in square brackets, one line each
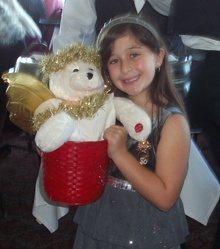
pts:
[132, 65]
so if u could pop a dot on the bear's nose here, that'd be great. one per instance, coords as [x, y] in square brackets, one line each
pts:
[89, 76]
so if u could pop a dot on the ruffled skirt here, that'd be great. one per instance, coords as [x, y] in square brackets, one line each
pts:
[124, 219]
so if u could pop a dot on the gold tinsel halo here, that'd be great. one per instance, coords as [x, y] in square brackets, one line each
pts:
[86, 108]
[73, 53]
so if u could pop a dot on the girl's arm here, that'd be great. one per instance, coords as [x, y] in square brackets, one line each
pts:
[162, 187]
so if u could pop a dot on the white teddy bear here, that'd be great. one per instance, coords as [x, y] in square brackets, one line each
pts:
[81, 109]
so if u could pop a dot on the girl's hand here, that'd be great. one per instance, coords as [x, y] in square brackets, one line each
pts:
[117, 138]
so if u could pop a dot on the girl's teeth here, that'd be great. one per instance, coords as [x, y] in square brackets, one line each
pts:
[133, 79]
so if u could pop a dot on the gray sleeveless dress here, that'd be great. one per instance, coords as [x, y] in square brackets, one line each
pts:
[124, 219]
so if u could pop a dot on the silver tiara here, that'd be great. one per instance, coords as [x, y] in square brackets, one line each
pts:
[124, 19]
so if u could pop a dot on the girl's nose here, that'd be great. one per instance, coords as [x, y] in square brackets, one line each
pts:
[126, 66]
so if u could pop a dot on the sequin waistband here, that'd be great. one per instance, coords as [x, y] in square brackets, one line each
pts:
[119, 183]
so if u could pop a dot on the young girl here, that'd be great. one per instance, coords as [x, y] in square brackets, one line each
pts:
[140, 207]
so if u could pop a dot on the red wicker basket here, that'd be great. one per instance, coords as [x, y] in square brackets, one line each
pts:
[75, 174]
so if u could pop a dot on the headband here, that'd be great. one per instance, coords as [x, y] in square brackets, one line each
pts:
[124, 20]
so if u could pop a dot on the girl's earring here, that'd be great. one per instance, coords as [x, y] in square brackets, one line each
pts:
[158, 69]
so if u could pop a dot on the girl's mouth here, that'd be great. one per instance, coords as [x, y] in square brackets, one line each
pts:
[131, 80]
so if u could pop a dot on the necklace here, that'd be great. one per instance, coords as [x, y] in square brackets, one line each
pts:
[143, 148]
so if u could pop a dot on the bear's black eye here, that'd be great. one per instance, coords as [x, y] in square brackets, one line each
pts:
[75, 70]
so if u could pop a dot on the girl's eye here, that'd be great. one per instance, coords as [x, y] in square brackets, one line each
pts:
[133, 55]
[113, 61]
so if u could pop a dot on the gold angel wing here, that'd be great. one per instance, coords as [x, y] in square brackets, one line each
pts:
[25, 93]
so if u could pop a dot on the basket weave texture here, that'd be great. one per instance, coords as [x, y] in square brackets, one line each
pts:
[76, 173]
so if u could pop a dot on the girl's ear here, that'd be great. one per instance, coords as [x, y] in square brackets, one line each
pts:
[160, 57]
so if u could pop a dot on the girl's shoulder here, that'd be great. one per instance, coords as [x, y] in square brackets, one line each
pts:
[169, 111]
[174, 119]
[172, 109]
[165, 113]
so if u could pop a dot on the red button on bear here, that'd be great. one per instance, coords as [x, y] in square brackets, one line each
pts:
[138, 127]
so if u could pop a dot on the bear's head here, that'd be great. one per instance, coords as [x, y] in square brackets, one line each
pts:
[74, 73]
